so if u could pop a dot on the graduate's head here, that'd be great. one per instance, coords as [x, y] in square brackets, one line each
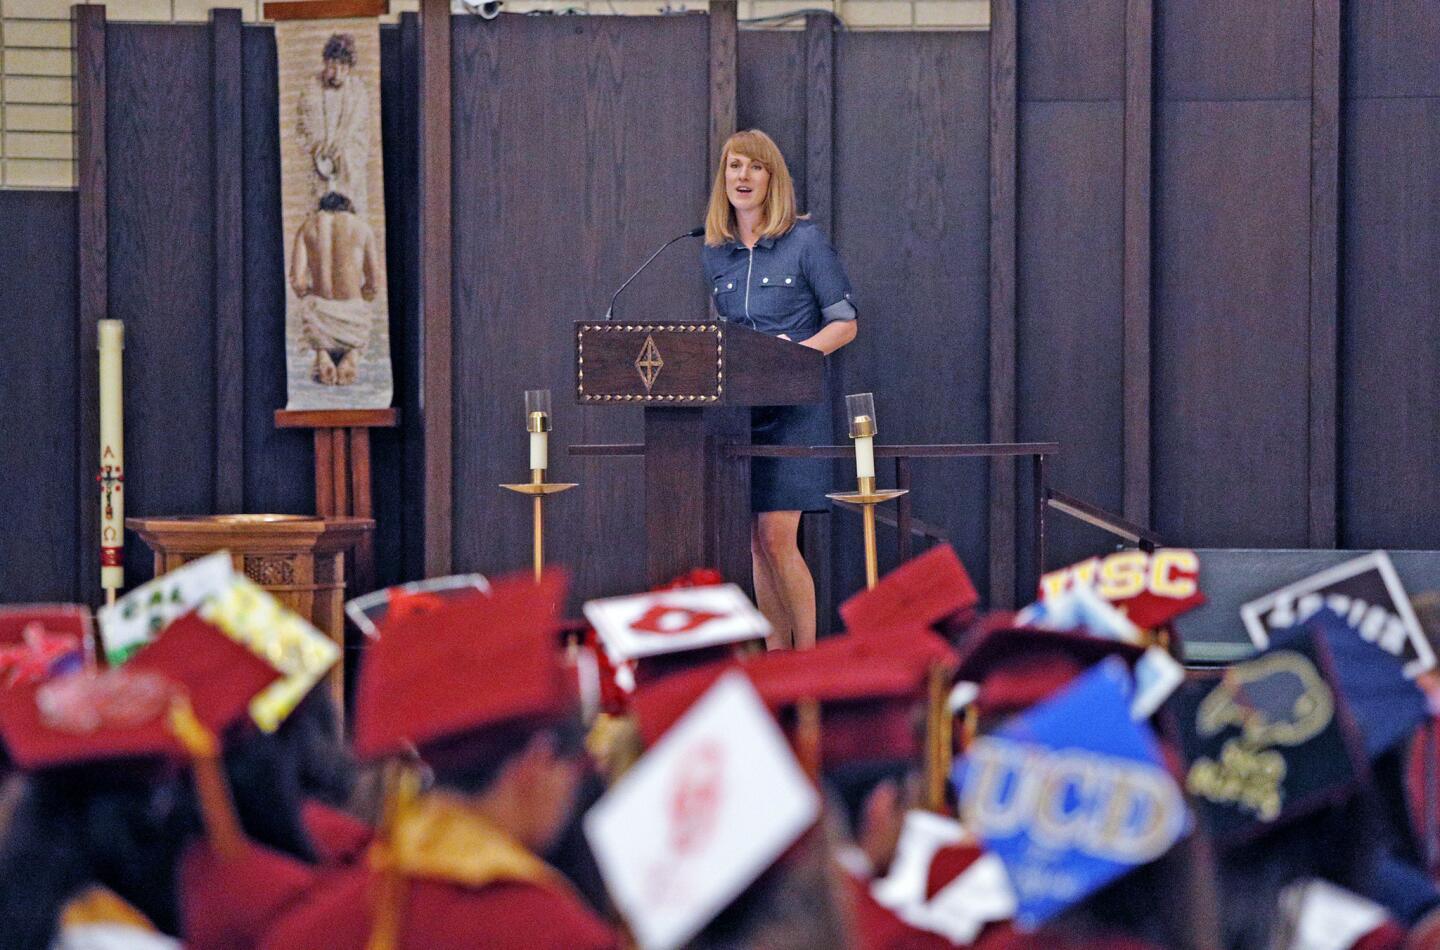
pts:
[752, 174]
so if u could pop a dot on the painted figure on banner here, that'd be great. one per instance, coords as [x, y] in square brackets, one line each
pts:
[337, 308]
[334, 123]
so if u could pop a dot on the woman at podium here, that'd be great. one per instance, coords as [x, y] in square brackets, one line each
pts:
[774, 271]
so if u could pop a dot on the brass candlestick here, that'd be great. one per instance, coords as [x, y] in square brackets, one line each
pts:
[861, 410]
[537, 423]
[866, 499]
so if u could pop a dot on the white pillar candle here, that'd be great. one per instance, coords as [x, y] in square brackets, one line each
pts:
[112, 456]
[865, 456]
[539, 451]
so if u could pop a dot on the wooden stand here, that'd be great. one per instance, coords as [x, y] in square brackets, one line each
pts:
[342, 470]
[298, 558]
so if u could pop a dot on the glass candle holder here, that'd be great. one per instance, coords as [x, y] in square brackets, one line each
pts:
[537, 423]
[860, 411]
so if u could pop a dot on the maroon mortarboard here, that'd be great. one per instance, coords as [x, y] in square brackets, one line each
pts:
[924, 590]
[38, 641]
[867, 690]
[123, 713]
[477, 662]
[1017, 667]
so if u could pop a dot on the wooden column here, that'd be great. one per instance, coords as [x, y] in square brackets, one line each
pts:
[1003, 209]
[228, 235]
[93, 238]
[820, 203]
[1136, 300]
[1324, 272]
[436, 262]
[723, 82]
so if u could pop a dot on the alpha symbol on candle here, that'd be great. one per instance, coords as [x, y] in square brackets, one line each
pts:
[649, 363]
[662, 618]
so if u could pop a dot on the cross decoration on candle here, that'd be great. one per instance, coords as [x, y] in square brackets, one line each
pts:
[537, 423]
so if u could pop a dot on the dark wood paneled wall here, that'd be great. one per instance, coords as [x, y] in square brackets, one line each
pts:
[1206, 250]
[580, 146]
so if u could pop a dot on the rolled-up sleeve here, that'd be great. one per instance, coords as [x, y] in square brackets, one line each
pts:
[827, 279]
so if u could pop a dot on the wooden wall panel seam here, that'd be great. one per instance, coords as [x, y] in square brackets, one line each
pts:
[724, 64]
[1324, 274]
[226, 164]
[1138, 245]
[436, 265]
[92, 237]
[1002, 285]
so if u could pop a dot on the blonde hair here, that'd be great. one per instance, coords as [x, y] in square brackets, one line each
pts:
[779, 207]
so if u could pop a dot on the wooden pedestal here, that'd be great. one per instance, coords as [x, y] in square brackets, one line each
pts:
[298, 558]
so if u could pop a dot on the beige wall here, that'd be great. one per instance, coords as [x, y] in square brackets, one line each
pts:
[37, 107]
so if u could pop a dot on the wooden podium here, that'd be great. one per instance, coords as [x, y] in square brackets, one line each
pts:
[696, 382]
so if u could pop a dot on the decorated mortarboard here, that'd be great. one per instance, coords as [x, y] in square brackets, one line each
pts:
[675, 620]
[1366, 592]
[1269, 741]
[1071, 794]
[372, 611]
[41, 641]
[123, 713]
[942, 881]
[479, 661]
[254, 618]
[1151, 588]
[139, 617]
[700, 816]
[924, 590]
[1385, 706]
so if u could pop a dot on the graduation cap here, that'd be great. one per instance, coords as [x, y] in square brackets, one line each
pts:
[139, 617]
[701, 816]
[1269, 741]
[1386, 706]
[679, 627]
[1152, 588]
[40, 641]
[1016, 667]
[1071, 794]
[867, 691]
[926, 590]
[371, 611]
[124, 713]
[445, 680]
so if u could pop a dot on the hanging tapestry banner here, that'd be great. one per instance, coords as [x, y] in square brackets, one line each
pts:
[337, 339]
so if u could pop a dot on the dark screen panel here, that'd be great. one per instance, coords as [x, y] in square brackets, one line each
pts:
[1390, 48]
[1390, 339]
[912, 173]
[1073, 50]
[160, 234]
[279, 472]
[770, 94]
[562, 188]
[38, 450]
[1230, 407]
[1069, 355]
[1232, 49]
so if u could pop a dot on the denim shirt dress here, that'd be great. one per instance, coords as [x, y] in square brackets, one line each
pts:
[791, 285]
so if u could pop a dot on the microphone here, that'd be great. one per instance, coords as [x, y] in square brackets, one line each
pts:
[692, 233]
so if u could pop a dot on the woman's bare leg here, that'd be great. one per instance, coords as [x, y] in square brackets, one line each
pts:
[767, 594]
[778, 535]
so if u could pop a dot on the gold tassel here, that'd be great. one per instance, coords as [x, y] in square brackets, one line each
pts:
[222, 826]
[939, 749]
[402, 788]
